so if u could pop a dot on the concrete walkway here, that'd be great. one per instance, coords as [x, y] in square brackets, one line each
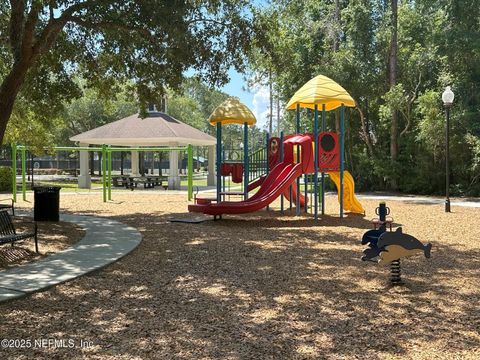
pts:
[419, 199]
[105, 242]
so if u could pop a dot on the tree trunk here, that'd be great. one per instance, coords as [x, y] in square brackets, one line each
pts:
[278, 114]
[337, 25]
[8, 93]
[392, 77]
[365, 130]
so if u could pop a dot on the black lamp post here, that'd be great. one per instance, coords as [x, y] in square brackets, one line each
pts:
[447, 98]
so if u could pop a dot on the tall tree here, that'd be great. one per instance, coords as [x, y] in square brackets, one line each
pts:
[151, 42]
[392, 81]
[270, 91]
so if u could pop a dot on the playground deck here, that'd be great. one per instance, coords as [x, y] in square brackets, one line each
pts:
[262, 285]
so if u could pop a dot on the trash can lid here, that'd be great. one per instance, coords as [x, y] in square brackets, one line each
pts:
[46, 188]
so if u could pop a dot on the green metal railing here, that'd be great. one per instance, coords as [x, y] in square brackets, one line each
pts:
[258, 164]
[106, 165]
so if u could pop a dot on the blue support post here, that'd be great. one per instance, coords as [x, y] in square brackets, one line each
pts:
[267, 139]
[224, 180]
[315, 157]
[297, 130]
[342, 155]
[311, 196]
[323, 174]
[305, 191]
[291, 200]
[281, 160]
[245, 161]
[219, 160]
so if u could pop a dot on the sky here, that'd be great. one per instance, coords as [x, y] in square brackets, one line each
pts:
[256, 99]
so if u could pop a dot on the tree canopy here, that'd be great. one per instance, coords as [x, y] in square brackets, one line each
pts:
[148, 43]
[437, 44]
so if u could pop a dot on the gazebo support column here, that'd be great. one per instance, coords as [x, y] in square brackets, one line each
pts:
[211, 166]
[135, 163]
[84, 179]
[173, 177]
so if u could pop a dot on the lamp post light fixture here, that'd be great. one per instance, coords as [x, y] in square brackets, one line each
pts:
[447, 98]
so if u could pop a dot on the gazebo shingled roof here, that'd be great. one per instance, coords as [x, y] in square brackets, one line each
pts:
[157, 129]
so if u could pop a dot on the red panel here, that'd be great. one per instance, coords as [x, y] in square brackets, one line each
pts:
[273, 152]
[328, 152]
[237, 173]
[225, 169]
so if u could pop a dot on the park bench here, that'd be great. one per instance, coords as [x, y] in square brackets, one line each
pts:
[8, 233]
[8, 206]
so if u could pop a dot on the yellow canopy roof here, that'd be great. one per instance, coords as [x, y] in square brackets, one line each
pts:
[321, 90]
[232, 111]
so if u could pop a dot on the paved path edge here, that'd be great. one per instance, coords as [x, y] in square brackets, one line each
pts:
[105, 242]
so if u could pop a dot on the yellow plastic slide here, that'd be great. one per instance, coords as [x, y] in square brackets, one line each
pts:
[350, 201]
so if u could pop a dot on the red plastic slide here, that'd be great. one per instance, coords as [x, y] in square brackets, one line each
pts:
[273, 186]
[254, 184]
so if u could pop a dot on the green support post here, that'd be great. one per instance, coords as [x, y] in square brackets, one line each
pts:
[24, 181]
[104, 177]
[109, 179]
[14, 172]
[190, 171]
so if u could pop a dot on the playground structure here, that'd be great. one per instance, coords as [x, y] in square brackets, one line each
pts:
[288, 158]
[388, 247]
[106, 152]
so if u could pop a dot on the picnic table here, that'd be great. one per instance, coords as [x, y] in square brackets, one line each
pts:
[131, 182]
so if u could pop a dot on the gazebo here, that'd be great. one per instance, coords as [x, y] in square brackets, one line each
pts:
[157, 129]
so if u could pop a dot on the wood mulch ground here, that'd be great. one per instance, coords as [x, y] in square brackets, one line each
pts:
[261, 286]
[52, 237]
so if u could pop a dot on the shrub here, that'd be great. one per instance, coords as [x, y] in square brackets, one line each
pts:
[5, 178]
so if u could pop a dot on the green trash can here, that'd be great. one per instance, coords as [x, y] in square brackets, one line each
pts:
[46, 205]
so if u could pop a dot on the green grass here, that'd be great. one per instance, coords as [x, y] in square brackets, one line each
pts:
[196, 182]
[97, 185]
